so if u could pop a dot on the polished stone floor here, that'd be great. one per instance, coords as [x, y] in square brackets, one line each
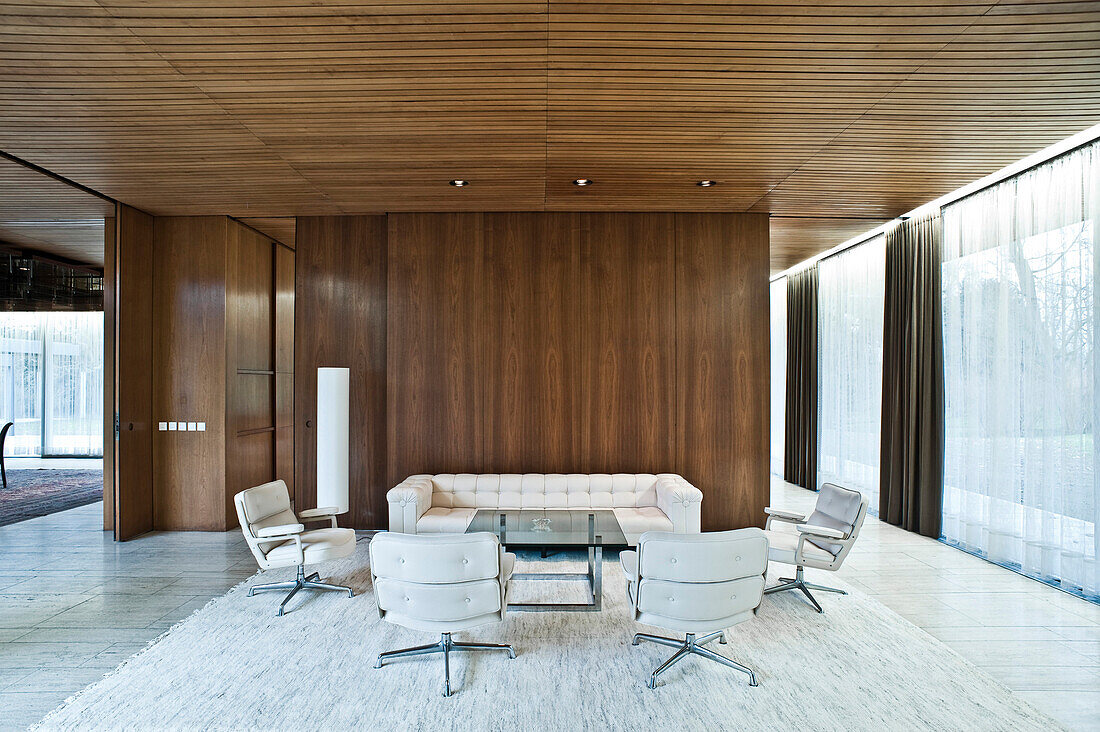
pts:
[74, 604]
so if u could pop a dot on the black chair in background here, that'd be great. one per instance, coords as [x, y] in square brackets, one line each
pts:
[3, 437]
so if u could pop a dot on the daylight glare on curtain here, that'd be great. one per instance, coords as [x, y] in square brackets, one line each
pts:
[1019, 317]
[779, 370]
[51, 382]
[851, 287]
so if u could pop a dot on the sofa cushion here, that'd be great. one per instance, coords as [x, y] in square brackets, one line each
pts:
[438, 520]
[636, 521]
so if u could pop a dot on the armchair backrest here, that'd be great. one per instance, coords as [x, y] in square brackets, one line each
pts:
[700, 577]
[838, 508]
[435, 578]
[262, 506]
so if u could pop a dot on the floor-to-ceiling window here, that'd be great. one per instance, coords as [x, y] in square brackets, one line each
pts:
[851, 287]
[51, 382]
[779, 370]
[1019, 316]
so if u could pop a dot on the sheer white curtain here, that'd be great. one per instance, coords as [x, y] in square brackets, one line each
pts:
[779, 370]
[1019, 318]
[21, 381]
[51, 382]
[851, 290]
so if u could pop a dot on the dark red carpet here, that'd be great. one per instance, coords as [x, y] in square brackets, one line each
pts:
[34, 493]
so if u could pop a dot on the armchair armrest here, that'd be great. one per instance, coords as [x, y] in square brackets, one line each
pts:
[408, 501]
[821, 531]
[790, 516]
[319, 513]
[281, 531]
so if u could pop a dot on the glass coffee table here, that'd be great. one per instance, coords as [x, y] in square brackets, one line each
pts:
[592, 529]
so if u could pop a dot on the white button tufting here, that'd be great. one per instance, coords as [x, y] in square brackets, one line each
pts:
[467, 599]
[465, 561]
[673, 560]
[737, 559]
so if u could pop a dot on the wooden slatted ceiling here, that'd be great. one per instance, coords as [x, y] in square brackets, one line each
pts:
[824, 109]
[46, 215]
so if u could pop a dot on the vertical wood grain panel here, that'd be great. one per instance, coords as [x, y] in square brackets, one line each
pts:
[723, 363]
[626, 321]
[252, 298]
[340, 320]
[190, 371]
[528, 287]
[438, 344]
[135, 393]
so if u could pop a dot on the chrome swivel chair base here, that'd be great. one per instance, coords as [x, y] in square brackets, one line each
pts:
[799, 583]
[444, 646]
[690, 645]
[300, 583]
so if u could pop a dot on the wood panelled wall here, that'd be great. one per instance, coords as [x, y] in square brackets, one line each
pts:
[542, 342]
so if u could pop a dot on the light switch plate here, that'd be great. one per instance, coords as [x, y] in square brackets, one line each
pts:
[192, 426]
[202, 426]
[171, 426]
[163, 426]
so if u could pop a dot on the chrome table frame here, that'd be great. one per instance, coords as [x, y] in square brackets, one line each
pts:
[594, 577]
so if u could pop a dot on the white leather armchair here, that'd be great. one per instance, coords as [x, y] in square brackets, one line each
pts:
[441, 583]
[695, 583]
[821, 540]
[278, 538]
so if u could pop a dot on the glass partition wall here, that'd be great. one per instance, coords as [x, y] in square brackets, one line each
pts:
[1019, 316]
[851, 290]
[51, 383]
[1020, 307]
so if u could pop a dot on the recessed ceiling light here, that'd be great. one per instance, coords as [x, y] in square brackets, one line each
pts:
[582, 182]
[707, 183]
[459, 183]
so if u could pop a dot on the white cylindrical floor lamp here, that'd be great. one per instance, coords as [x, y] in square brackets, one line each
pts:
[332, 437]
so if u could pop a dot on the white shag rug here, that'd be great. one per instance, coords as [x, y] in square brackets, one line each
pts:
[234, 665]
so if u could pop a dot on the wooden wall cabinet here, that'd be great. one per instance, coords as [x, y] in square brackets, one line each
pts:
[222, 354]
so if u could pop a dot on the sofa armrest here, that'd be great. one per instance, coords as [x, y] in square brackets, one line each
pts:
[681, 502]
[409, 500]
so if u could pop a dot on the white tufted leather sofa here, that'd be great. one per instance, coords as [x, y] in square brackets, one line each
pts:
[446, 503]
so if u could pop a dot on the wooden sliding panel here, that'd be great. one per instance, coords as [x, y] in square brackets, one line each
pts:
[132, 326]
[284, 365]
[109, 368]
[250, 362]
[189, 372]
[722, 365]
[438, 345]
[340, 321]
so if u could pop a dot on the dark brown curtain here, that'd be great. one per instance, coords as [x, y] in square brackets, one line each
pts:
[800, 423]
[911, 474]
